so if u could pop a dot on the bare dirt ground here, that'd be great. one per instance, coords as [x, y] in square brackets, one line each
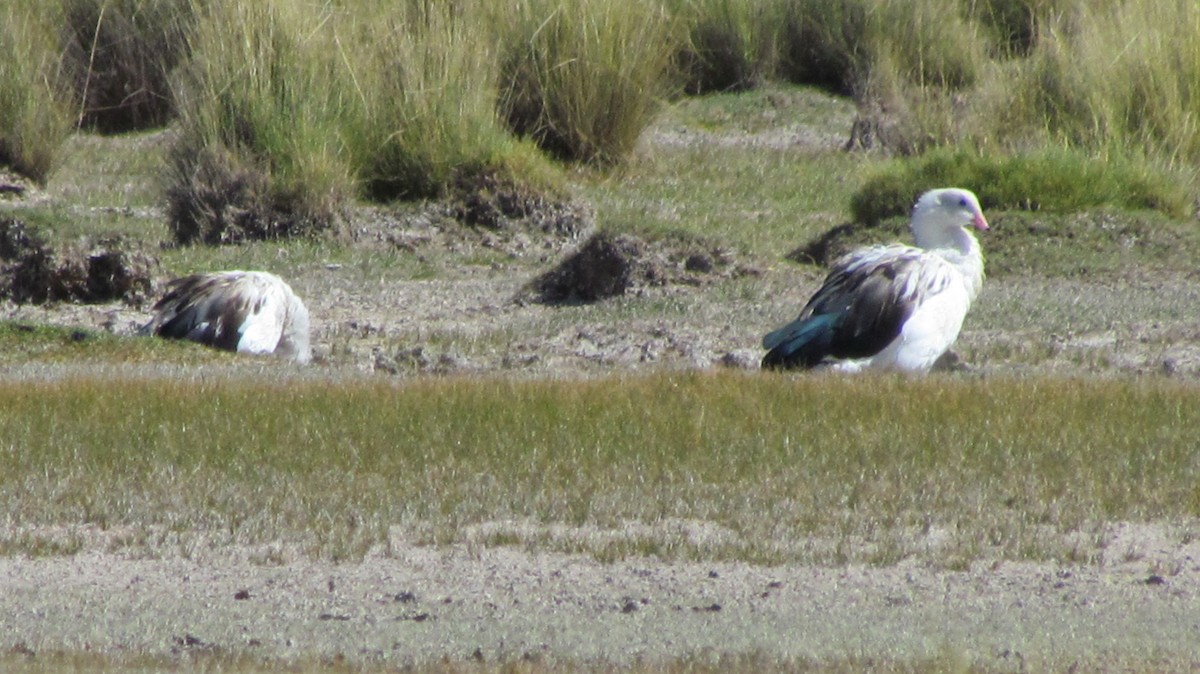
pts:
[1138, 608]
[412, 606]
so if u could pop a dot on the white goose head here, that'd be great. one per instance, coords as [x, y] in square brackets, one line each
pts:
[941, 217]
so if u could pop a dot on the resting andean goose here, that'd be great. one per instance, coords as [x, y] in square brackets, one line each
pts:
[894, 307]
[244, 311]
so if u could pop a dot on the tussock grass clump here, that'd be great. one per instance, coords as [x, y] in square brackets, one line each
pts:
[1123, 78]
[584, 78]
[1109, 80]
[789, 469]
[852, 47]
[35, 115]
[298, 110]
[119, 56]
[825, 44]
[260, 152]
[1014, 25]
[729, 44]
[427, 78]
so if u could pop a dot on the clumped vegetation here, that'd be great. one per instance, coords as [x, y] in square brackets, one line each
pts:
[120, 55]
[34, 112]
[584, 78]
[426, 78]
[1139, 98]
[1002, 77]
[1054, 180]
[724, 47]
[259, 153]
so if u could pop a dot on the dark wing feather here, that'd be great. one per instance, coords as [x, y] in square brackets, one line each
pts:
[871, 304]
[188, 311]
[859, 309]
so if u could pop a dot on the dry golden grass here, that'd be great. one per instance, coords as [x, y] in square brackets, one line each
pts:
[813, 469]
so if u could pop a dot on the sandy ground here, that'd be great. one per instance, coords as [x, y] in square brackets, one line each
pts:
[409, 606]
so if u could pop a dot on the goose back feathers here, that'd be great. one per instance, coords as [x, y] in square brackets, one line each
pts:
[244, 311]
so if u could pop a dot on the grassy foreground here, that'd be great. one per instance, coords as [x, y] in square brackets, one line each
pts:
[764, 468]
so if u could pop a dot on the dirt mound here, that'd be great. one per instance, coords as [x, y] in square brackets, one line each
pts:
[611, 265]
[33, 272]
[839, 240]
[493, 202]
[481, 212]
[215, 197]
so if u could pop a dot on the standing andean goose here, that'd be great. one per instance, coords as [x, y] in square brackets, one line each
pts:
[894, 307]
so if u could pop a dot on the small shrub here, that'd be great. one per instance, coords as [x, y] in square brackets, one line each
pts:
[119, 56]
[1059, 181]
[35, 116]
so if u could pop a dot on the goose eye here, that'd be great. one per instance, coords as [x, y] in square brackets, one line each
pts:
[962, 202]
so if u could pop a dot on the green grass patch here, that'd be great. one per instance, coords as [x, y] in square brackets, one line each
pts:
[22, 343]
[114, 172]
[61, 225]
[779, 108]
[1055, 181]
[775, 469]
[764, 201]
